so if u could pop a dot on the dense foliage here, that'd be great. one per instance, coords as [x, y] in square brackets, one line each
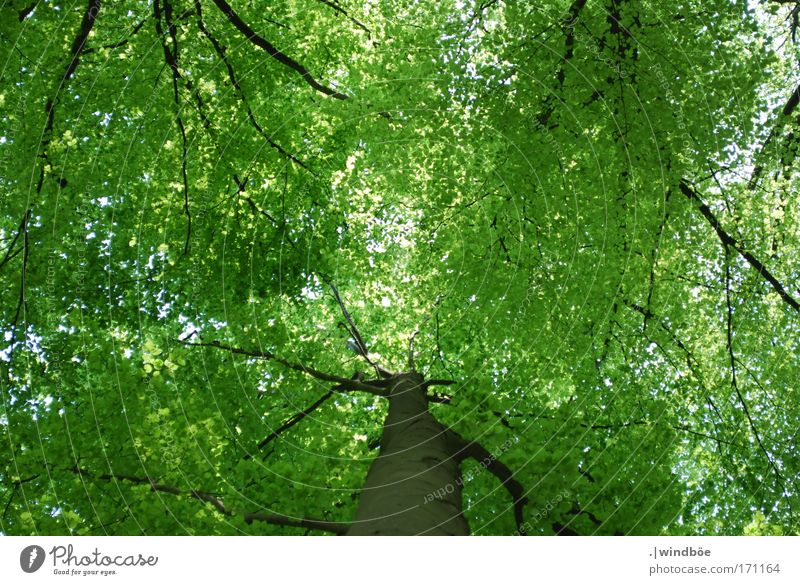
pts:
[588, 209]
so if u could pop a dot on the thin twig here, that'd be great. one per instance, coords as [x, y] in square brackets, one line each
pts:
[734, 382]
[335, 6]
[355, 334]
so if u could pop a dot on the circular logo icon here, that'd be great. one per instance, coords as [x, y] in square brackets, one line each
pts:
[31, 558]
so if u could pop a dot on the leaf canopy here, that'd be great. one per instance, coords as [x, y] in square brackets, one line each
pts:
[564, 200]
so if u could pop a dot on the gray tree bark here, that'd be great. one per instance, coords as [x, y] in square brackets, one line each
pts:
[414, 485]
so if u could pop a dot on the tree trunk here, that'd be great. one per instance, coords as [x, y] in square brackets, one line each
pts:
[414, 485]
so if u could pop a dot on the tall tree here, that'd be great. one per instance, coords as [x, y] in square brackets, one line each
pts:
[399, 267]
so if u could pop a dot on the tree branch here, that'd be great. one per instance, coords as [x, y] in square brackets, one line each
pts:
[729, 240]
[411, 351]
[203, 496]
[22, 300]
[23, 14]
[335, 6]
[497, 468]
[568, 28]
[734, 382]
[437, 382]
[171, 57]
[80, 40]
[78, 44]
[10, 254]
[219, 506]
[344, 384]
[439, 398]
[352, 329]
[273, 52]
[787, 110]
[293, 421]
[122, 42]
[222, 53]
[360, 346]
[611, 427]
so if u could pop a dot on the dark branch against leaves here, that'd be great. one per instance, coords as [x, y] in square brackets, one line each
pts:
[335, 6]
[293, 421]
[497, 468]
[171, 56]
[217, 503]
[344, 384]
[223, 54]
[273, 52]
[729, 240]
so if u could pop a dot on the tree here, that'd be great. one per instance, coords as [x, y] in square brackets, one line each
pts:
[560, 243]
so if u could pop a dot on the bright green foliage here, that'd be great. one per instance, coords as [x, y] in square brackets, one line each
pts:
[512, 179]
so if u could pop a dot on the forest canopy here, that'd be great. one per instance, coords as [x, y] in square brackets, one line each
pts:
[579, 216]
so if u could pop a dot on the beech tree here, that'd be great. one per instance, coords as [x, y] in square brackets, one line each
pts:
[387, 267]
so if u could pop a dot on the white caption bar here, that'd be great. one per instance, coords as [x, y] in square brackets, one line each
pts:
[333, 560]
